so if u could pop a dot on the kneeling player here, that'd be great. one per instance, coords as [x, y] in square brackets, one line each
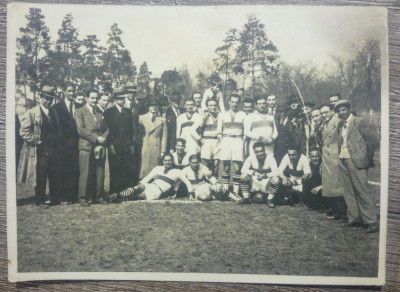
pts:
[293, 169]
[157, 183]
[205, 186]
[261, 172]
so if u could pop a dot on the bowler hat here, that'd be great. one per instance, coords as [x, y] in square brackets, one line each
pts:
[47, 92]
[118, 93]
[153, 100]
[309, 103]
[340, 103]
[292, 99]
[163, 100]
[281, 108]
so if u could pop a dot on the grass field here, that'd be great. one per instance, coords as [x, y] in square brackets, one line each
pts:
[171, 236]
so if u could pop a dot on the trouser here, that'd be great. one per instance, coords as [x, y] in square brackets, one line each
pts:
[91, 178]
[359, 201]
[45, 170]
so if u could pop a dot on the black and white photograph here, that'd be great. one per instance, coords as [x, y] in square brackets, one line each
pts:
[225, 143]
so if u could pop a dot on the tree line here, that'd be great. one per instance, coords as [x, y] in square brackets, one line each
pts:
[246, 58]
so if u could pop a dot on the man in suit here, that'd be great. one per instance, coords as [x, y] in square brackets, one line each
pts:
[283, 140]
[102, 103]
[171, 115]
[155, 137]
[137, 108]
[271, 102]
[67, 146]
[38, 131]
[92, 138]
[120, 140]
[356, 151]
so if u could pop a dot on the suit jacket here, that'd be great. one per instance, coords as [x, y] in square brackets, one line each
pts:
[171, 117]
[362, 141]
[120, 129]
[90, 126]
[66, 129]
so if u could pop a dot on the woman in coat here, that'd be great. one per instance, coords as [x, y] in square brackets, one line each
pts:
[155, 138]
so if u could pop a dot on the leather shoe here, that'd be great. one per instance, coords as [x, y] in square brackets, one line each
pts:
[243, 201]
[83, 203]
[372, 228]
[353, 224]
[270, 204]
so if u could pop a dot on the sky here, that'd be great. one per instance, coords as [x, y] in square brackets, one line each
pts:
[171, 37]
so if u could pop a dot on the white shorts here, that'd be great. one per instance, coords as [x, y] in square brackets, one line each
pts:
[210, 149]
[202, 190]
[259, 185]
[191, 147]
[152, 192]
[231, 149]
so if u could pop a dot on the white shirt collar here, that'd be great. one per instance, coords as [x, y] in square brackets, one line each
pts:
[118, 107]
[44, 109]
[349, 118]
[90, 108]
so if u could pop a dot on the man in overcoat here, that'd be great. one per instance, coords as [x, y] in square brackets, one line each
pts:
[67, 153]
[331, 187]
[356, 151]
[155, 137]
[92, 138]
[120, 142]
[38, 131]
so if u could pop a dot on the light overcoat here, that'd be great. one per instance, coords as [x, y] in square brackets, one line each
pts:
[331, 185]
[31, 125]
[154, 142]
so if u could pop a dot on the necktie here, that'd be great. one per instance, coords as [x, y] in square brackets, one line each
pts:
[153, 118]
[70, 108]
[345, 124]
[196, 175]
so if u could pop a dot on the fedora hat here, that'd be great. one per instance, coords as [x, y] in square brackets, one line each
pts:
[47, 92]
[130, 87]
[340, 103]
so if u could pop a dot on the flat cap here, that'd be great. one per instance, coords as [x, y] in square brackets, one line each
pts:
[340, 103]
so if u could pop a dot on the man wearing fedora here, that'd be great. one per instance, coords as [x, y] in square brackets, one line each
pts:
[357, 145]
[92, 138]
[120, 142]
[38, 131]
[301, 128]
[67, 146]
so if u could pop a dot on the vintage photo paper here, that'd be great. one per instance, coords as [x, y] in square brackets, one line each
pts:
[223, 143]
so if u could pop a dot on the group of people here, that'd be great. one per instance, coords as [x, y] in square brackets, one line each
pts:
[271, 152]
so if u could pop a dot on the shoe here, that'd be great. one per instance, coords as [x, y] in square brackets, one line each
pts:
[353, 224]
[243, 201]
[270, 204]
[114, 198]
[54, 203]
[83, 203]
[372, 228]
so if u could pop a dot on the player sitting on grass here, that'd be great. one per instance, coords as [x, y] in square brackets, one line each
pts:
[293, 169]
[205, 186]
[261, 173]
[156, 184]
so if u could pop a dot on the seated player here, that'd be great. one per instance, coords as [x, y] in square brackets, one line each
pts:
[181, 158]
[205, 186]
[312, 187]
[261, 173]
[293, 169]
[156, 184]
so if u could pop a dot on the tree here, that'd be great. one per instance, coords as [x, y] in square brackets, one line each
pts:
[144, 79]
[226, 54]
[256, 55]
[89, 72]
[67, 52]
[170, 80]
[33, 42]
[118, 66]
